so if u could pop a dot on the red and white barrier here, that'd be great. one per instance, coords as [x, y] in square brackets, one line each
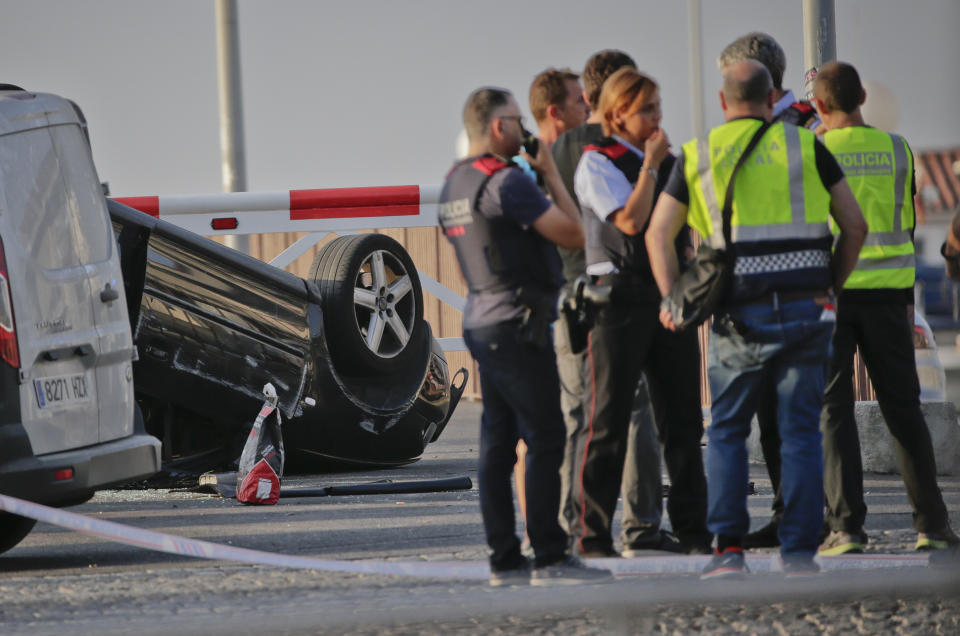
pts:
[324, 210]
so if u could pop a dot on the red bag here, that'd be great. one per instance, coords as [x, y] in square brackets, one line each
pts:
[261, 463]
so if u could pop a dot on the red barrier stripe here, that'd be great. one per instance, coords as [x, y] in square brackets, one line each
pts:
[149, 205]
[338, 203]
[354, 213]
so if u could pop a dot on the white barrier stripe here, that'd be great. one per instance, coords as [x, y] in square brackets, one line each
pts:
[430, 194]
[297, 249]
[452, 344]
[224, 202]
[433, 286]
[643, 566]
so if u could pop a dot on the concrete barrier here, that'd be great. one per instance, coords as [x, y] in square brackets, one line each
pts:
[876, 445]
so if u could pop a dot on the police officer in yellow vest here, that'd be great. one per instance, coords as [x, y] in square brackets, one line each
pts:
[874, 312]
[776, 323]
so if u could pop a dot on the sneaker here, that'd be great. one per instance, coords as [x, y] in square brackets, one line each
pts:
[838, 542]
[514, 576]
[941, 540]
[599, 553]
[800, 568]
[526, 548]
[765, 537]
[663, 541]
[728, 564]
[696, 547]
[568, 571]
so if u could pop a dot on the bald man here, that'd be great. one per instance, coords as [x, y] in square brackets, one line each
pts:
[775, 321]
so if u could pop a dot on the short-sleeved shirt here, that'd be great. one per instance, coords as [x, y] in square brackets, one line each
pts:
[513, 195]
[603, 188]
[827, 167]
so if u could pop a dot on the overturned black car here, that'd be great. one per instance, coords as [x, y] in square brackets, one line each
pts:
[359, 376]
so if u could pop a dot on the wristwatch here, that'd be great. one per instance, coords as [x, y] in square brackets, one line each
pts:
[653, 173]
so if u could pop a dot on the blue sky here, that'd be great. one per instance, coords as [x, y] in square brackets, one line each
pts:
[340, 94]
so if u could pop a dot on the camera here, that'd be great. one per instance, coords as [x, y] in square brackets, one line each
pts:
[530, 143]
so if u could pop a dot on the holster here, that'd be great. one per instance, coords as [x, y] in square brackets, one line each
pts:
[537, 316]
[580, 307]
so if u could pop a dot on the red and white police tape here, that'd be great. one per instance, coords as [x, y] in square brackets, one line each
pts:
[643, 566]
[328, 210]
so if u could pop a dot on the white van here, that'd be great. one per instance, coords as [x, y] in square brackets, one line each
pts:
[67, 413]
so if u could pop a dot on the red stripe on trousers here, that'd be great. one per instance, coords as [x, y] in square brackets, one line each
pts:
[586, 447]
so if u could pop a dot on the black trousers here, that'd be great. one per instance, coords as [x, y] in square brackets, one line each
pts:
[884, 335]
[521, 400]
[626, 341]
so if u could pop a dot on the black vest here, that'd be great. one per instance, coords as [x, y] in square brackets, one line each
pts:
[604, 241]
[798, 113]
[495, 254]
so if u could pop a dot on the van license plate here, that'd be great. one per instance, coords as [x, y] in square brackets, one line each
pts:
[62, 390]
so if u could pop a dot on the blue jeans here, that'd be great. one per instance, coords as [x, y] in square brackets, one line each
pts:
[521, 399]
[788, 345]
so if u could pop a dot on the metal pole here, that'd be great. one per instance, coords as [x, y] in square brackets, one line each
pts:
[819, 39]
[695, 37]
[232, 151]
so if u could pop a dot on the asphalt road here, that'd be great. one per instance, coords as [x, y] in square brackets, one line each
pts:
[59, 581]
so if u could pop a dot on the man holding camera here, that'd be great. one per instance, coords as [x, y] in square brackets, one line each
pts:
[504, 232]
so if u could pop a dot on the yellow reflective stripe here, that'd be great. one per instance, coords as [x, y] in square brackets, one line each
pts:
[902, 278]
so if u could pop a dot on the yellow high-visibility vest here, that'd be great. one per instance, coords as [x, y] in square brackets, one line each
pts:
[879, 167]
[779, 223]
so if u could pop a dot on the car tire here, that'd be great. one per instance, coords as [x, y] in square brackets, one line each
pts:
[13, 528]
[372, 304]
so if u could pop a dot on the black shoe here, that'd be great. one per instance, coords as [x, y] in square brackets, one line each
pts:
[728, 564]
[765, 537]
[797, 567]
[599, 553]
[663, 541]
[696, 544]
[519, 575]
[568, 571]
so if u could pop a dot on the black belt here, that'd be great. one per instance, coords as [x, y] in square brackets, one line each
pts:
[780, 297]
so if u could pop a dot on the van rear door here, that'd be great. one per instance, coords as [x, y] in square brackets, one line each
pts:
[44, 243]
[99, 255]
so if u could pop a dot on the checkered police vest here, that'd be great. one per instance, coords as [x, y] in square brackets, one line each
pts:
[779, 224]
